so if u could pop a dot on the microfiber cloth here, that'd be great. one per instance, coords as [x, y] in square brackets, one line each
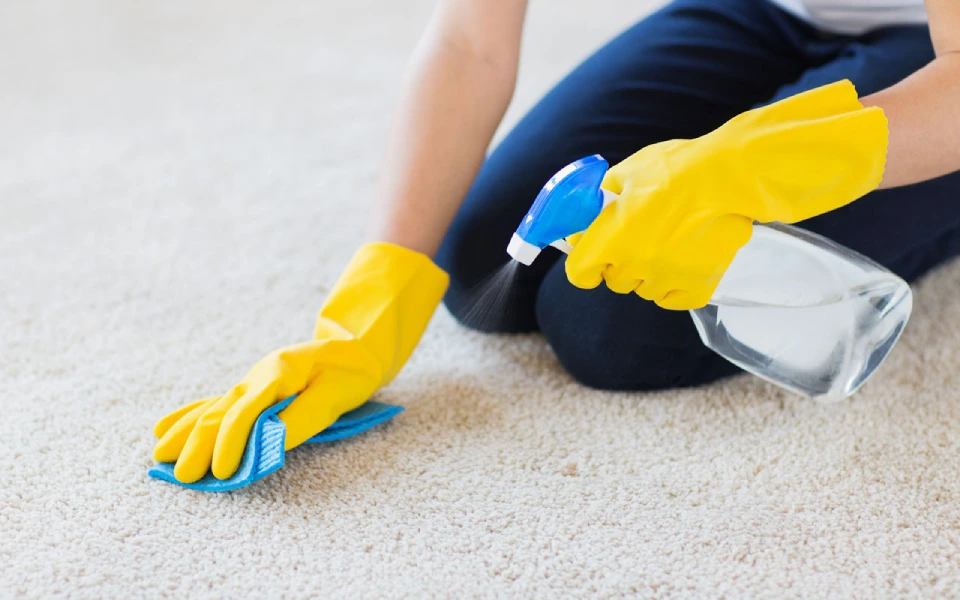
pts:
[265, 454]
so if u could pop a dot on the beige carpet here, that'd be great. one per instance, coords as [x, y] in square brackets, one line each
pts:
[180, 183]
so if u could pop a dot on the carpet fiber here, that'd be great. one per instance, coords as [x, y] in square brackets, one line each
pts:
[180, 184]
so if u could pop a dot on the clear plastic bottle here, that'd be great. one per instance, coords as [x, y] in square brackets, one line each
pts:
[805, 313]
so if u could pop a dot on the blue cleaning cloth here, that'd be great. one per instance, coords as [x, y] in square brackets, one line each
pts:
[265, 454]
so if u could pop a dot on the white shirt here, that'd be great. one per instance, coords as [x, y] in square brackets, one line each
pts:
[856, 16]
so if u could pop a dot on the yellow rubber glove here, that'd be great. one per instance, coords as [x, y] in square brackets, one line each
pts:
[687, 206]
[366, 331]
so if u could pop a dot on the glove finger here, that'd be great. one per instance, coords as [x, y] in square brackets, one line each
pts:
[653, 290]
[613, 180]
[619, 281]
[164, 424]
[234, 429]
[197, 453]
[582, 274]
[684, 300]
[170, 445]
[574, 239]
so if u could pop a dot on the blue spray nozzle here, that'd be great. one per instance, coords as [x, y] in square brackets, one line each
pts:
[567, 204]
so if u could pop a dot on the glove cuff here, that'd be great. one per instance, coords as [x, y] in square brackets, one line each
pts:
[384, 299]
[805, 155]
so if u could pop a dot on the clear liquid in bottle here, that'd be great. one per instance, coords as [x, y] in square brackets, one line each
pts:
[805, 313]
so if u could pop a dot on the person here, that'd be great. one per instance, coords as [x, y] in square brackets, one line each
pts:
[715, 115]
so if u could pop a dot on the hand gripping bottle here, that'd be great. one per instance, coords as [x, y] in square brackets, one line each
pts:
[793, 308]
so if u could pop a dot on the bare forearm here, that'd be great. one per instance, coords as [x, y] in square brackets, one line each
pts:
[923, 110]
[454, 97]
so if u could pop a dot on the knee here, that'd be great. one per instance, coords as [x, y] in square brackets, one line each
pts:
[651, 369]
[625, 343]
[635, 367]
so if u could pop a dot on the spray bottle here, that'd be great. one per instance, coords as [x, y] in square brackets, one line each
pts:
[794, 308]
